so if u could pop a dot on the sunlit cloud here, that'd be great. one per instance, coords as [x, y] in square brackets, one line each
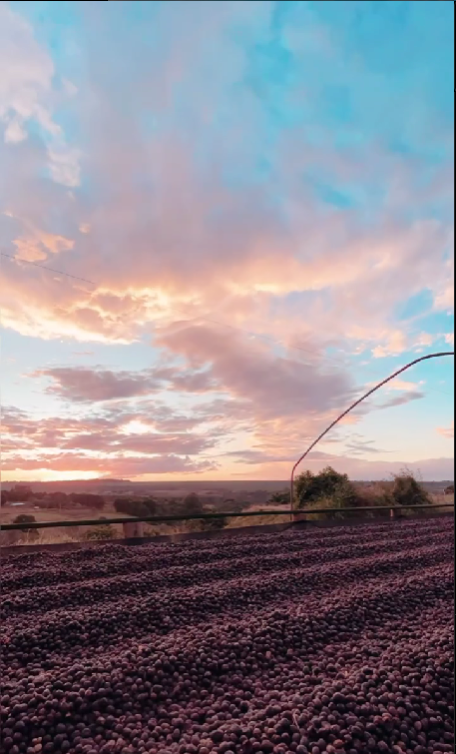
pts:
[396, 344]
[447, 432]
[27, 94]
[248, 238]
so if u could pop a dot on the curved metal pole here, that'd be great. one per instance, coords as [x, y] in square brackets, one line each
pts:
[353, 406]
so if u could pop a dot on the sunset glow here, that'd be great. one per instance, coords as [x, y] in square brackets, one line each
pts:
[253, 205]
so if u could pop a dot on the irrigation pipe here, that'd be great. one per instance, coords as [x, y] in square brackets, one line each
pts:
[351, 408]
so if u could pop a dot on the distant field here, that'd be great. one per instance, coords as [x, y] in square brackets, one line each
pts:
[162, 489]
[78, 533]
[8, 513]
[52, 536]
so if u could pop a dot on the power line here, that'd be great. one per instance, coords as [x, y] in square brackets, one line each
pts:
[397, 373]
[49, 269]
[204, 319]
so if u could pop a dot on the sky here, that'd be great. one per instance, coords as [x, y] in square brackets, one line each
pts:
[220, 223]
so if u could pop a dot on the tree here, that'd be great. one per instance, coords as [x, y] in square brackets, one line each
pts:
[192, 505]
[101, 533]
[57, 499]
[124, 505]
[280, 498]
[137, 508]
[88, 500]
[20, 493]
[151, 505]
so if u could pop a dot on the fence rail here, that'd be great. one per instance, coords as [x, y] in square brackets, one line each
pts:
[214, 516]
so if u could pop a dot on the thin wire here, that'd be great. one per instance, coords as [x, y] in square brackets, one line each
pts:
[356, 403]
[204, 319]
[196, 319]
[49, 269]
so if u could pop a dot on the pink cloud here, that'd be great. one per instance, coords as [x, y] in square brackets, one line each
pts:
[396, 344]
[445, 293]
[166, 239]
[276, 386]
[115, 467]
[402, 400]
[27, 72]
[217, 253]
[88, 384]
[429, 469]
[27, 94]
[447, 432]
[403, 385]
[162, 430]
[146, 444]
[103, 444]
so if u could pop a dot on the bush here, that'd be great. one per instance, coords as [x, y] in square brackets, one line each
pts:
[26, 519]
[377, 495]
[326, 485]
[232, 505]
[213, 524]
[327, 489]
[408, 492]
[100, 533]
[403, 490]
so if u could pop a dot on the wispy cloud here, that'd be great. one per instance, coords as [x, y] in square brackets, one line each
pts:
[27, 95]
[255, 230]
[447, 432]
[402, 400]
[87, 384]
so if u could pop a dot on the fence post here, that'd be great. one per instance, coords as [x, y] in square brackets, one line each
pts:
[133, 530]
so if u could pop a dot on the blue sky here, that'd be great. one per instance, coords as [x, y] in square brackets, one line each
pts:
[261, 195]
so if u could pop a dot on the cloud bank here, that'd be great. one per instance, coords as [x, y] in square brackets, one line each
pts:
[256, 229]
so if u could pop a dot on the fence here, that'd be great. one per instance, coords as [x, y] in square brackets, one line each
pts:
[296, 516]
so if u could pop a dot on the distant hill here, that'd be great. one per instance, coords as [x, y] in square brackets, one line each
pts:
[163, 489]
